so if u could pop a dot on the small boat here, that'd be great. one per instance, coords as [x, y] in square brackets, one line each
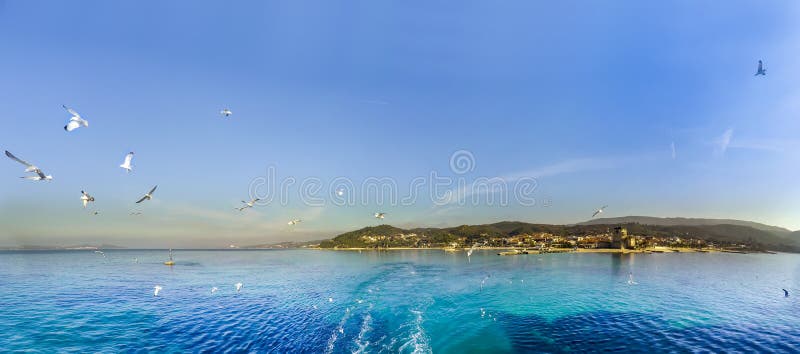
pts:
[170, 262]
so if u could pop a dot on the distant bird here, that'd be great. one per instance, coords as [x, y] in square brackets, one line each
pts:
[340, 192]
[136, 213]
[249, 204]
[598, 211]
[761, 71]
[136, 260]
[86, 198]
[76, 121]
[379, 215]
[156, 290]
[330, 299]
[96, 213]
[214, 289]
[295, 222]
[101, 253]
[40, 176]
[148, 196]
[226, 112]
[785, 293]
[238, 287]
[630, 279]
[471, 249]
[127, 163]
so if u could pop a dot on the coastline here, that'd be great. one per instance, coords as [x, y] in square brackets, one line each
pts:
[552, 250]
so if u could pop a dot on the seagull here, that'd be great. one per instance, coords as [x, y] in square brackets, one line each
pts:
[785, 293]
[127, 163]
[598, 211]
[630, 279]
[96, 213]
[249, 204]
[101, 253]
[136, 213]
[226, 112]
[86, 198]
[214, 289]
[340, 192]
[40, 176]
[238, 287]
[295, 222]
[148, 196]
[135, 260]
[761, 71]
[471, 249]
[76, 121]
[380, 215]
[156, 289]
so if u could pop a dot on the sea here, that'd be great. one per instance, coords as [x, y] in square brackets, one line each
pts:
[411, 301]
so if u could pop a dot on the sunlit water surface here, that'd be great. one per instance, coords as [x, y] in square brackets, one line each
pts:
[400, 301]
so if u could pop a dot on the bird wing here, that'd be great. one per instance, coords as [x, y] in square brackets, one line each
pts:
[72, 112]
[40, 173]
[11, 156]
[72, 125]
[595, 213]
[604, 207]
[760, 65]
[128, 159]
[85, 201]
[152, 190]
[141, 200]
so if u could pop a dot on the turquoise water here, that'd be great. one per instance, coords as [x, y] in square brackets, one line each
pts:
[401, 301]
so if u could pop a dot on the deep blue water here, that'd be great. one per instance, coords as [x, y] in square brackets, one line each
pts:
[401, 301]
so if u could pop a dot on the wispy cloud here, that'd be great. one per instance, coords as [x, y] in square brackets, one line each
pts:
[722, 142]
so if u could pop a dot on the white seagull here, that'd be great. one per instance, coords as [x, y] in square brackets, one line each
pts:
[214, 289]
[295, 222]
[598, 211]
[249, 204]
[127, 163]
[40, 176]
[761, 71]
[340, 192]
[148, 196]
[86, 198]
[226, 112]
[76, 121]
[238, 287]
[379, 215]
[156, 289]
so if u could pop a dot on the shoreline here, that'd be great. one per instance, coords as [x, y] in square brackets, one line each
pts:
[554, 250]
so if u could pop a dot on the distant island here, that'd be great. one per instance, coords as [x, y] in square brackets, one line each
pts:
[630, 233]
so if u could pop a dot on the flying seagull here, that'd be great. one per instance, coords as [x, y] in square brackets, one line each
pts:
[148, 196]
[40, 176]
[761, 71]
[295, 222]
[156, 290]
[785, 293]
[76, 121]
[96, 213]
[598, 211]
[238, 287]
[249, 204]
[226, 112]
[380, 215]
[214, 289]
[86, 198]
[471, 249]
[136, 213]
[340, 192]
[127, 163]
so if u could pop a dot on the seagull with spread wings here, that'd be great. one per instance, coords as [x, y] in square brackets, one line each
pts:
[249, 204]
[40, 176]
[86, 198]
[294, 222]
[147, 196]
[75, 121]
[379, 215]
[761, 71]
[599, 211]
[127, 163]
[226, 112]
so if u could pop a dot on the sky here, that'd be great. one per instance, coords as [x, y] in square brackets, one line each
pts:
[651, 108]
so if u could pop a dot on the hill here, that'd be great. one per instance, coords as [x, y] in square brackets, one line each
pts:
[758, 236]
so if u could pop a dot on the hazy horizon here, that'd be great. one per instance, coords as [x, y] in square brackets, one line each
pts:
[436, 114]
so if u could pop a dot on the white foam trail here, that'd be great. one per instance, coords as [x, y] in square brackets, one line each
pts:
[366, 326]
[339, 329]
[417, 340]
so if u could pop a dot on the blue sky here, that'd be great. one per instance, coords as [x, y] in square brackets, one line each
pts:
[587, 97]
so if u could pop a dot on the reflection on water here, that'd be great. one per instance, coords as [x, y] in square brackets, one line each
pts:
[406, 301]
